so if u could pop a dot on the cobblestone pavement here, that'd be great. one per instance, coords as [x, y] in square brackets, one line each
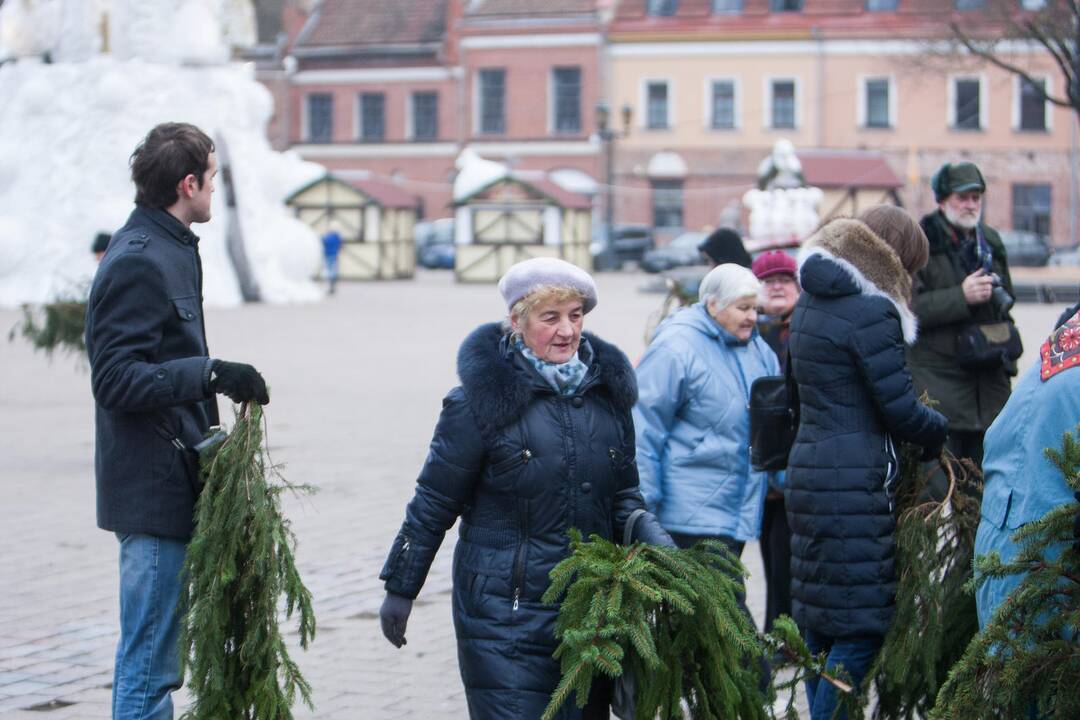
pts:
[356, 384]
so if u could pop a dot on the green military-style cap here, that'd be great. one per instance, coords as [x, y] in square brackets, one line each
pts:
[956, 177]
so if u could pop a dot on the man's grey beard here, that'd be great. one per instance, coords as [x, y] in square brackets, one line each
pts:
[967, 223]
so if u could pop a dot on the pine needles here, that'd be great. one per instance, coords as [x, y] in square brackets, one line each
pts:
[935, 613]
[239, 564]
[1026, 661]
[62, 327]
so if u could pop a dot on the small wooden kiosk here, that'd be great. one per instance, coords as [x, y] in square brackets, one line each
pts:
[852, 180]
[516, 218]
[374, 218]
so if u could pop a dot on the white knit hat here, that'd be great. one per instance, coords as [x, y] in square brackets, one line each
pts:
[727, 283]
[528, 275]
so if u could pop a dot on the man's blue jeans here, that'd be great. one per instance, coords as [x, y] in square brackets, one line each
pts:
[147, 658]
[854, 653]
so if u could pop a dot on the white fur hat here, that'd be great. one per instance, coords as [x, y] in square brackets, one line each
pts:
[528, 275]
[727, 283]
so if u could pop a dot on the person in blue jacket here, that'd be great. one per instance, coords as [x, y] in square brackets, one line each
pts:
[1021, 483]
[536, 440]
[691, 418]
[856, 401]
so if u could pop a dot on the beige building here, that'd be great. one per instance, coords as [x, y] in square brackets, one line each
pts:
[714, 83]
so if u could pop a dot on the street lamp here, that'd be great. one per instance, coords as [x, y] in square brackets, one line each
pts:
[608, 137]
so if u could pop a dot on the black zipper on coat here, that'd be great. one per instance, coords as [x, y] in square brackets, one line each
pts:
[518, 458]
[519, 558]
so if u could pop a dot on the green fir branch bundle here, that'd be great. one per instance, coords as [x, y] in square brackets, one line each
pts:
[61, 327]
[789, 650]
[1026, 661]
[668, 616]
[935, 616]
[239, 566]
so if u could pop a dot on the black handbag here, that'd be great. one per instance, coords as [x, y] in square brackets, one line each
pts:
[774, 420]
[987, 346]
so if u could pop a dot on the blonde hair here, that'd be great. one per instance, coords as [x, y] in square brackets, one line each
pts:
[541, 295]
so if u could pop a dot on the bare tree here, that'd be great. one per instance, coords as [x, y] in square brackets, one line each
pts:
[1050, 25]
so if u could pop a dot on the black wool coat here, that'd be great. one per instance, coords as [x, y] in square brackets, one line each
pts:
[856, 398]
[149, 371]
[520, 465]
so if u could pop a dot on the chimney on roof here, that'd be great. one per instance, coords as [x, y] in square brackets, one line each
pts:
[455, 12]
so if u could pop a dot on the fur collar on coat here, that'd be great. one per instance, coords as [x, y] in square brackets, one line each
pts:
[873, 266]
[497, 392]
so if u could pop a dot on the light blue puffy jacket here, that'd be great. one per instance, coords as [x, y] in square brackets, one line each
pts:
[693, 427]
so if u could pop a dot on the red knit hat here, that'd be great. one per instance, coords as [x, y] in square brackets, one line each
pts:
[774, 262]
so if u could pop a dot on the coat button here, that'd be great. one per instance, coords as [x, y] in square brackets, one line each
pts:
[577, 401]
[190, 314]
[160, 374]
[586, 487]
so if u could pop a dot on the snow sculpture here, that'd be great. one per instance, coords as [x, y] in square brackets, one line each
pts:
[67, 130]
[782, 208]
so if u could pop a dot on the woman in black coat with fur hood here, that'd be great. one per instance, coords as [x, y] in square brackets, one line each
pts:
[857, 403]
[536, 440]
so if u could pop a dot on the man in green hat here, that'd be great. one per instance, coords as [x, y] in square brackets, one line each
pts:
[967, 347]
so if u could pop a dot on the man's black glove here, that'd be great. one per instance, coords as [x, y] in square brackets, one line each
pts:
[1076, 526]
[242, 383]
[648, 530]
[394, 616]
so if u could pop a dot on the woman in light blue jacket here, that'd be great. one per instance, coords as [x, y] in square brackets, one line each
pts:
[691, 417]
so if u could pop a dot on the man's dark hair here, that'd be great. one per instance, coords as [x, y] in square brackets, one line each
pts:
[169, 153]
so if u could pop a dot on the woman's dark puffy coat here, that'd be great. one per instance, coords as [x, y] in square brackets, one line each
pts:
[856, 398]
[520, 465]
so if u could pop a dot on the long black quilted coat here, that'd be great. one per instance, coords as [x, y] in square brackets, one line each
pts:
[520, 465]
[847, 348]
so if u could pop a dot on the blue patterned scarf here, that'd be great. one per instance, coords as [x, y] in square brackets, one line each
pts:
[564, 378]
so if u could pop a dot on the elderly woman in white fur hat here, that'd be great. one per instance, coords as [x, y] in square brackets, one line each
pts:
[537, 439]
[692, 419]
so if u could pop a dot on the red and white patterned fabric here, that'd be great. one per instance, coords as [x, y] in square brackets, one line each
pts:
[1062, 349]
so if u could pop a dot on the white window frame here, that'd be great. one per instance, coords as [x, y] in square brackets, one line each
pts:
[358, 116]
[305, 115]
[707, 115]
[551, 119]
[767, 93]
[1048, 107]
[477, 120]
[984, 101]
[861, 115]
[643, 103]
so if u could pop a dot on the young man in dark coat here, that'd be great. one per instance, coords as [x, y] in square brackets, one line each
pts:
[965, 282]
[154, 383]
[857, 402]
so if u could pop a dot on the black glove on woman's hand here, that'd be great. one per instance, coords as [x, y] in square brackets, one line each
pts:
[394, 616]
[648, 530]
[242, 383]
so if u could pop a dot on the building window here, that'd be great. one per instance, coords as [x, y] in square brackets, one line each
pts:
[425, 115]
[1031, 208]
[785, 5]
[967, 104]
[723, 105]
[656, 105]
[567, 97]
[783, 104]
[970, 4]
[320, 117]
[493, 101]
[875, 5]
[727, 7]
[1032, 104]
[667, 202]
[372, 117]
[877, 103]
[662, 7]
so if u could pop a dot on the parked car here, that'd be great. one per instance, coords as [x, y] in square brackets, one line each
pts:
[435, 243]
[680, 252]
[627, 243]
[1026, 248]
[1066, 257]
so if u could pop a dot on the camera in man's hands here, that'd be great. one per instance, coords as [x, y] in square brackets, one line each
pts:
[1000, 299]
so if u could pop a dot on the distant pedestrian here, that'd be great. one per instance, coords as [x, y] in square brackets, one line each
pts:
[968, 345]
[100, 245]
[331, 243]
[856, 399]
[778, 273]
[154, 383]
[692, 418]
[536, 440]
[724, 245]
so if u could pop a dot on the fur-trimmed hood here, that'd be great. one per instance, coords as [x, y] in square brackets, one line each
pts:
[498, 392]
[846, 257]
